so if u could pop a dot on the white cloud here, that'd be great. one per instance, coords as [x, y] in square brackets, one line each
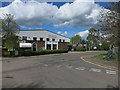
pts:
[62, 24]
[58, 32]
[78, 14]
[83, 34]
[33, 14]
[64, 34]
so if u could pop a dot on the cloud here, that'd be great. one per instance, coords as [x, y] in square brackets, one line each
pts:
[58, 32]
[33, 14]
[61, 24]
[64, 34]
[77, 14]
[83, 34]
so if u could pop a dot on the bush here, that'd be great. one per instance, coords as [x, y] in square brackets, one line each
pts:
[41, 52]
[80, 49]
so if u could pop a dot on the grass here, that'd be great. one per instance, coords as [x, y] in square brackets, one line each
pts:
[101, 56]
[105, 57]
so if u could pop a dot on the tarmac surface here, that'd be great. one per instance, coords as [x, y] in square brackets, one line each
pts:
[57, 71]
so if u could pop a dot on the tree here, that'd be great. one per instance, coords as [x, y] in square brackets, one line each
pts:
[76, 39]
[83, 41]
[105, 45]
[93, 38]
[110, 22]
[9, 30]
[110, 25]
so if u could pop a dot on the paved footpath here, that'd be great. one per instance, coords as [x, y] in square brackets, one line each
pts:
[57, 71]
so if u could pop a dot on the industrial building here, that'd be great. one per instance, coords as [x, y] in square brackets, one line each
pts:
[42, 40]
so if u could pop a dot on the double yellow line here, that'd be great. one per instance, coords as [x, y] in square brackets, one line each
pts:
[106, 67]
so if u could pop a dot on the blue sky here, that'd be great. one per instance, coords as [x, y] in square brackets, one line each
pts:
[67, 30]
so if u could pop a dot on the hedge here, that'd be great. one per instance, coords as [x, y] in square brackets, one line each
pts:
[80, 49]
[41, 52]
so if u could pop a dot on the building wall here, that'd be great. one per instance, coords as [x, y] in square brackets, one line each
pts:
[62, 45]
[54, 39]
[40, 44]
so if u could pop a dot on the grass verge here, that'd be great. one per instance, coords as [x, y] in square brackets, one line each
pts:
[105, 57]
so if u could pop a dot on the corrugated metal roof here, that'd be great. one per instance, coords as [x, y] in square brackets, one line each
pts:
[44, 30]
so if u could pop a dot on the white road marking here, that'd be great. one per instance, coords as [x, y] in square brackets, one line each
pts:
[95, 70]
[110, 72]
[45, 65]
[80, 68]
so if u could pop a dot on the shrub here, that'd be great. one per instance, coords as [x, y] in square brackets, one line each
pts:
[41, 52]
[80, 49]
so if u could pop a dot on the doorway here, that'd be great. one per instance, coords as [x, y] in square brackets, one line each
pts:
[34, 47]
[48, 46]
[54, 46]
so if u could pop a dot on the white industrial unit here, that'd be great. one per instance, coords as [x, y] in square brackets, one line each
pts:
[49, 40]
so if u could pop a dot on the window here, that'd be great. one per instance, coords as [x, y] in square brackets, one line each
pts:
[47, 39]
[54, 46]
[48, 46]
[53, 39]
[63, 40]
[60, 40]
[24, 37]
[41, 39]
[34, 38]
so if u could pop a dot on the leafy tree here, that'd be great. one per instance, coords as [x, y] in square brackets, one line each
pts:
[105, 45]
[83, 41]
[110, 22]
[110, 25]
[76, 39]
[69, 46]
[93, 38]
[9, 30]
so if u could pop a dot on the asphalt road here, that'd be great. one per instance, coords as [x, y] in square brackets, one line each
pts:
[56, 71]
